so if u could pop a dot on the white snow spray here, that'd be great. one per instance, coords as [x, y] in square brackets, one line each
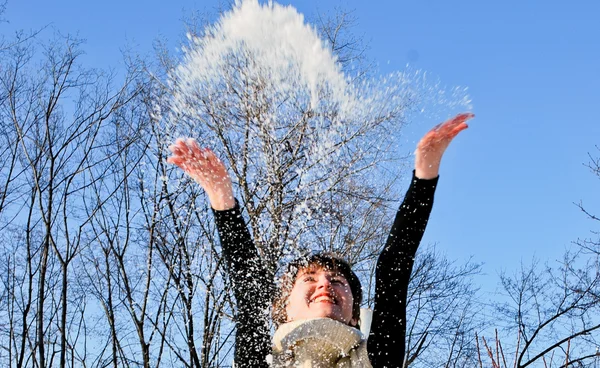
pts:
[281, 45]
[262, 89]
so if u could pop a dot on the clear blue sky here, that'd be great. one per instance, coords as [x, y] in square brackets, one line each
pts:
[533, 69]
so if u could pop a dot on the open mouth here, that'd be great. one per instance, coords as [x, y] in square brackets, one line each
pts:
[323, 298]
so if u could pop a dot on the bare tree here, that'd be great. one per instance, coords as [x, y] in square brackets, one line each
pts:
[592, 243]
[351, 49]
[109, 259]
[55, 142]
[443, 310]
[551, 313]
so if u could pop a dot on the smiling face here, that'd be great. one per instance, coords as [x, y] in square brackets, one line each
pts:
[318, 292]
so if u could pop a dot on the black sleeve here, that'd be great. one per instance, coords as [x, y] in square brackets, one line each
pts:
[252, 287]
[386, 343]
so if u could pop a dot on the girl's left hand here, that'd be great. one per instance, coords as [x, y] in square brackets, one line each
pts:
[431, 147]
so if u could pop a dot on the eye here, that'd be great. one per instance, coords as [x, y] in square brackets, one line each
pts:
[308, 279]
[338, 280]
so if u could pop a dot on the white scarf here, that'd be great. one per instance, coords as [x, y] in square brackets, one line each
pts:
[319, 343]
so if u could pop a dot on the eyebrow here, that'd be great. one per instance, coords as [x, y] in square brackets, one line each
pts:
[303, 273]
[312, 272]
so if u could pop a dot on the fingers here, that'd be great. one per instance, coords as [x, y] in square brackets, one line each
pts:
[194, 160]
[176, 148]
[175, 160]
[449, 125]
[454, 132]
[186, 147]
[450, 128]
[440, 136]
[193, 147]
[185, 152]
[464, 116]
[461, 118]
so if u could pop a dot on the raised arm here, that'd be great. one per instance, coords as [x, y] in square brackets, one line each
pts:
[386, 344]
[252, 284]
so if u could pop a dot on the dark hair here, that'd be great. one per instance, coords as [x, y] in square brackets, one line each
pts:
[326, 261]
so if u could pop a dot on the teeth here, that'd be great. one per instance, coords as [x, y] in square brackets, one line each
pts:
[323, 299]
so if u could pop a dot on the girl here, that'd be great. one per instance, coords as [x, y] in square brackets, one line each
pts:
[317, 309]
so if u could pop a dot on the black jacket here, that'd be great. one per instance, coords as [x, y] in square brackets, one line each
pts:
[253, 284]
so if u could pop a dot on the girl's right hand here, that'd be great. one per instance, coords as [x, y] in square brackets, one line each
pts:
[206, 169]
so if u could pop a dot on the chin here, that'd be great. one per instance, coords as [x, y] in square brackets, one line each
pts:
[330, 312]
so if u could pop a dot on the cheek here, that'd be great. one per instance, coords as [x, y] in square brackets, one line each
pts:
[345, 291]
[347, 295]
[297, 300]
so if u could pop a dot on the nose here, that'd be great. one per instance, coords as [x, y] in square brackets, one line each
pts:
[324, 282]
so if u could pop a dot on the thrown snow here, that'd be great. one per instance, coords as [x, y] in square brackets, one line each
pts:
[277, 38]
[267, 95]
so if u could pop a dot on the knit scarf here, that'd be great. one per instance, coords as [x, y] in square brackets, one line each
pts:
[319, 343]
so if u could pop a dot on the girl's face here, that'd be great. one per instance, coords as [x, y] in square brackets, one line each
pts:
[320, 293]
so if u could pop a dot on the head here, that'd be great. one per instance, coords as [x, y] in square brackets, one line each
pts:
[320, 285]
